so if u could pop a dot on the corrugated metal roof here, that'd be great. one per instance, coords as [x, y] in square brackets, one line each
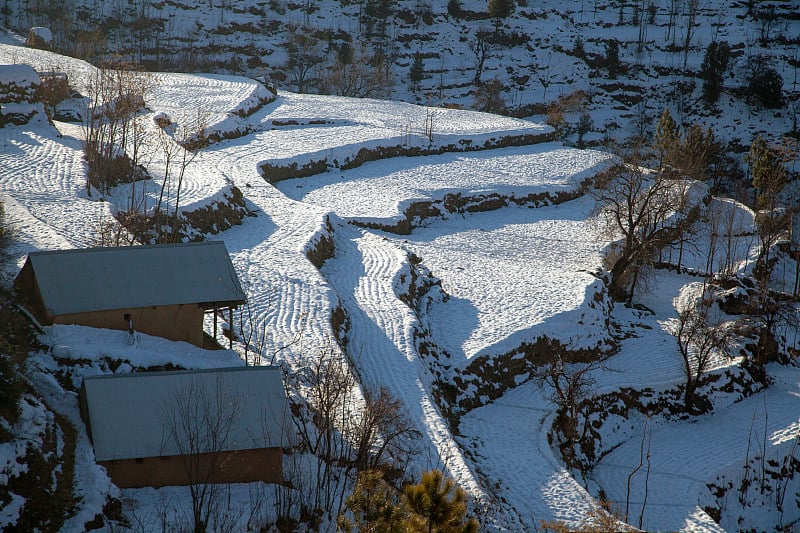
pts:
[99, 279]
[153, 414]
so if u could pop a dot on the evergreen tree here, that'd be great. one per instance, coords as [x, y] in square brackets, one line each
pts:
[417, 71]
[699, 151]
[374, 505]
[579, 49]
[376, 15]
[439, 506]
[612, 59]
[345, 54]
[713, 70]
[454, 8]
[765, 84]
[769, 174]
[667, 139]
[499, 10]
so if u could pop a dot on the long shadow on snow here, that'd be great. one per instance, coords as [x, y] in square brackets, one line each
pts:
[378, 361]
[254, 230]
[299, 188]
[567, 326]
[574, 211]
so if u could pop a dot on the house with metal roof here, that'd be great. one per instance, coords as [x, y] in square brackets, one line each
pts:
[152, 429]
[161, 290]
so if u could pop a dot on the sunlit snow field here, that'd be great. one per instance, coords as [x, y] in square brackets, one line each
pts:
[511, 274]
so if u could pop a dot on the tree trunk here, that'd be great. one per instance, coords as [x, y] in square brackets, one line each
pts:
[617, 290]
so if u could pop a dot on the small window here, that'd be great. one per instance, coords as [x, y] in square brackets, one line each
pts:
[127, 317]
[138, 460]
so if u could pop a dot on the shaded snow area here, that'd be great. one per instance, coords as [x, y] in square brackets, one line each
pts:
[513, 173]
[540, 289]
[686, 456]
[327, 270]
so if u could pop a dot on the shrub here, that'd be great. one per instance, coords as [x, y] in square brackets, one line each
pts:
[489, 97]
[765, 84]
[105, 173]
[54, 89]
[454, 8]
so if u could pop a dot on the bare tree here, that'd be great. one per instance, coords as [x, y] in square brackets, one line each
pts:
[198, 424]
[329, 387]
[647, 433]
[305, 53]
[108, 231]
[193, 136]
[674, 7]
[178, 147]
[700, 338]
[489, 97]
[357, 76]
[480, 47]
[544, 75]
[648, 212]
[692, 7]
[570, 385]
[115, 94]
[383, 434]
[345, 435]
[430, 116]
[255, 336]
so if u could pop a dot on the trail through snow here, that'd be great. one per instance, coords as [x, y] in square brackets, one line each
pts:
[511, 275]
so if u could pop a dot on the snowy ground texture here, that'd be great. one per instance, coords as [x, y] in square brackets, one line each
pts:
[535, 55]
[508, 275]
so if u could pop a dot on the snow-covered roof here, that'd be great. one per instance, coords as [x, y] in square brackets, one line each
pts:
[98, 279]
[154, 414]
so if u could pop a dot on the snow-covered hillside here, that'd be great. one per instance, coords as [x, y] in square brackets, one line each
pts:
[449, 52]
[497, 251]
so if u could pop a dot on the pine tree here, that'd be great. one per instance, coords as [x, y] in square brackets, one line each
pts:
[713, 70]
[374, 505]
[699, 152]
[439, 506]
[613, 65]
[499, 10]
[769, 174]
[667, 139]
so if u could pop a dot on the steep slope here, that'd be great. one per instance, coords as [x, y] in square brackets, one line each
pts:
[630, 60]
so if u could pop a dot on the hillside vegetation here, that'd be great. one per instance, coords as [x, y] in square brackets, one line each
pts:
[576, 338]
[604, 67]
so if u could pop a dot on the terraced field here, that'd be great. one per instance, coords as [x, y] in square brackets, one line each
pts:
[512, 260]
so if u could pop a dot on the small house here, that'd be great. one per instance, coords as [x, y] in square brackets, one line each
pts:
[153, 429]
[162, 290]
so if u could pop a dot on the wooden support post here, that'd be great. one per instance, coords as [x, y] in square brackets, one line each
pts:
[230, 324]
[215, 324]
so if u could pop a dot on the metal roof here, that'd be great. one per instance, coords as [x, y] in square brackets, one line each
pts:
[153, 414]
[99, 279]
